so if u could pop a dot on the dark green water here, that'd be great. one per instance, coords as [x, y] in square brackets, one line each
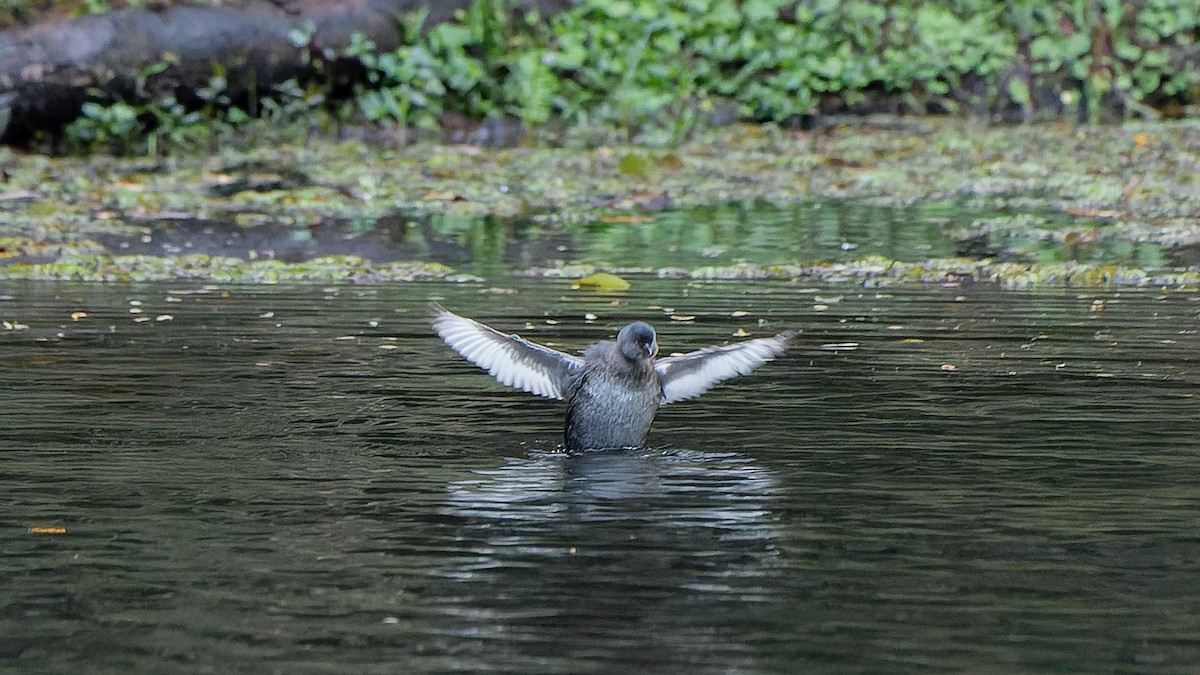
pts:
[304, 480]
[803, 233]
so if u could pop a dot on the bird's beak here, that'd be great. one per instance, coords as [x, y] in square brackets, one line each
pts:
[651, 348]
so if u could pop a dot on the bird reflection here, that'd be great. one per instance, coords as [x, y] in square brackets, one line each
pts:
[644, 487]
[640, 556]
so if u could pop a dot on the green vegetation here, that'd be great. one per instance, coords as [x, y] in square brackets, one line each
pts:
[1019, 206]
[634, 112]
[646, 64]
[225, 269]
[661, 71]
[871, 272]
[155, 123]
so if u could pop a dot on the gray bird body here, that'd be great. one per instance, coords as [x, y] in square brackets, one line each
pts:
[615, 389]
[611, 400]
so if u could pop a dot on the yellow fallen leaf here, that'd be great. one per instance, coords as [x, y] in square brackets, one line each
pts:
[634, 165]
[75, 316]
[602, 282]
[682, 317]
[624, 219]
[671, 162]
[47, 530]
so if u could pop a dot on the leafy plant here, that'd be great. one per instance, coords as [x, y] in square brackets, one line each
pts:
[663, 69]
[156, 121]
[113, 126]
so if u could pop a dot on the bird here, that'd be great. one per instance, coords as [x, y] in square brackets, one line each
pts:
[615, 388]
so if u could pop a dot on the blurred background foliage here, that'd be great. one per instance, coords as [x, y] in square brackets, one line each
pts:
[661, 70]
[644, 62]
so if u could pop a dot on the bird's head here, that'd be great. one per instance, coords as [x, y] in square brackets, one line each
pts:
[637, 341]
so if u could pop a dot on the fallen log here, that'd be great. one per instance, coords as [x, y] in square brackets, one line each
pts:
[50, 69]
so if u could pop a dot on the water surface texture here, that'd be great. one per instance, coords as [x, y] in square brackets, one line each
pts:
[802, 233]
[304, 479]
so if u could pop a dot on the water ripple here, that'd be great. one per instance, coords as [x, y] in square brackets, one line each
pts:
[306, 479]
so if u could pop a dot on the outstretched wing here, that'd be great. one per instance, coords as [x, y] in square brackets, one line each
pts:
[689, 375]
[510, 359]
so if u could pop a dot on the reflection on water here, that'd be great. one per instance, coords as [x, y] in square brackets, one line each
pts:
[636, 539]
[692, 237]
[306, 480]
[801, 233]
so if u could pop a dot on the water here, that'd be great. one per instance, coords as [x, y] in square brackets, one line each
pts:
[802, 233]
[305, 480]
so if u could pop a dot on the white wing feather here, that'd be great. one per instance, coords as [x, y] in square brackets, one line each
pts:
[689, 375]
[510, 359]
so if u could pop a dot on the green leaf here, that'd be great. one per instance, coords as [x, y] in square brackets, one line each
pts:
[1018, 91]
[635, 164]
[602, 282]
